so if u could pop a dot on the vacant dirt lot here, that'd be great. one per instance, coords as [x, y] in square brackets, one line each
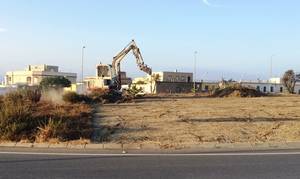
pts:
[182, 121]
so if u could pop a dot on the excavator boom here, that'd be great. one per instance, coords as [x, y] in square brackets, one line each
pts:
[120, 56]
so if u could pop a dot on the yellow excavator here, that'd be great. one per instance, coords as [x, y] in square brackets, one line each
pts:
[110, 75]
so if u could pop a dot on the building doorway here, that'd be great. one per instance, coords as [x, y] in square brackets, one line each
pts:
[189, 79]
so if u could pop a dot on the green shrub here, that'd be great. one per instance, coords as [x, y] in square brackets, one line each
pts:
[135, 91]
[55, 82]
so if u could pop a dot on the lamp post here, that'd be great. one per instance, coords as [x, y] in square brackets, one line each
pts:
[82, 57]
[195, 70]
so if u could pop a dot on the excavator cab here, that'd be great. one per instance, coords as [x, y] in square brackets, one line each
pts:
[106, 75]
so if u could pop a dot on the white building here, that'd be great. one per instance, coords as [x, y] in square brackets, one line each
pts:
[164, 81]
[34, 74]
[166, 76]
[274, 85]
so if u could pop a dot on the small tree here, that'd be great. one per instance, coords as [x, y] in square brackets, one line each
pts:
[289, 80]
[55, 82]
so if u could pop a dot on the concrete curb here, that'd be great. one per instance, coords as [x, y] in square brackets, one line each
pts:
[116, 146]
[8, 144]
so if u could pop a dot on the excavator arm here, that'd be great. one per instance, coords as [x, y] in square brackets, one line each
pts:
[120, 56]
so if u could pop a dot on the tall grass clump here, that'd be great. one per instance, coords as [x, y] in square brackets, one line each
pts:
[16, 114]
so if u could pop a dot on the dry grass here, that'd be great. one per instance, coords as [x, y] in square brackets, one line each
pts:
[175, 121]
[24, 117]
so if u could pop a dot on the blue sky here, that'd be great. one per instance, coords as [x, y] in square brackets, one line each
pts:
[234, 38]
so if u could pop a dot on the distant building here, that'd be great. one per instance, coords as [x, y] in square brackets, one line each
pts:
[34, 74]
[124, 79]
[273, 85]
[174, 76]
[166, 82]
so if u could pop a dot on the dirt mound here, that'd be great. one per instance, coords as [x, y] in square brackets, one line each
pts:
[237, 91]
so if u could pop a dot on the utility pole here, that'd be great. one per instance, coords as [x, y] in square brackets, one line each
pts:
[195, 70]
[82, 57]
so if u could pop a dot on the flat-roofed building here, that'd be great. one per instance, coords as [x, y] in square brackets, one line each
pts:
[34, 74]
[273, 85]
[166, 76]
[166, 82]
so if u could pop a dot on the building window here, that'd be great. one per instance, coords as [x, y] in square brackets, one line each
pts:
[265, 89]
[206, 87]
[183, 78]
[107, 82]
[257, 88]
[189, 79]
[271, 89]
[281, 89]
[28, 80]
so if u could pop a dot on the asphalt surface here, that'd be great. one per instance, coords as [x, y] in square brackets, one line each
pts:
[69, 164]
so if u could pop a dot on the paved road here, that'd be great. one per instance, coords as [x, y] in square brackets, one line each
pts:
[285, 164]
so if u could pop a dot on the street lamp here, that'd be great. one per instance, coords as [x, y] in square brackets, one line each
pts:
[195, 70]
[82, 57]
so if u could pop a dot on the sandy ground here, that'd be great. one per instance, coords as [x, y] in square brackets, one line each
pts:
[174, 121]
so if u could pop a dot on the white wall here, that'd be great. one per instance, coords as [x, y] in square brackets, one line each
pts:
[276, 87]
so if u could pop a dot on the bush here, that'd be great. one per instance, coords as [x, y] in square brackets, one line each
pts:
[24, 95]
[105, 96]
[72, 97]
[135, 91]
[112, 96]
[32, 95]
[55, 82]
[102, 96]
[97, 95]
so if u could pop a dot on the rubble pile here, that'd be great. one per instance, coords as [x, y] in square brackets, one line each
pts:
[237, 91]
